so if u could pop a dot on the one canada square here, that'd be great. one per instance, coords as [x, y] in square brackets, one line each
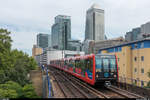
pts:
[94, 29]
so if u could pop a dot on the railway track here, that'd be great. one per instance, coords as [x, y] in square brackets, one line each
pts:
[124, 92]
[78, 89]
[74, 89]
[69, 89]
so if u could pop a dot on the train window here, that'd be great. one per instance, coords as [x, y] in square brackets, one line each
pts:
[106, 65]
[82, 66]
[112, 65]
[73, 63]
[65, 63]
[77, 63]
[62, 63]
[89, 64]
[98, 63]
[70, 63]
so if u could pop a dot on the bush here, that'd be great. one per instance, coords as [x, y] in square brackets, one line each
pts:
[10, 85]
[13, 90]
[29, 92]
[8, 93]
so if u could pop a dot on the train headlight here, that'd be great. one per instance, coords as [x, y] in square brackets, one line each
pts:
[97, 76]
[114, 75]
[98, 70]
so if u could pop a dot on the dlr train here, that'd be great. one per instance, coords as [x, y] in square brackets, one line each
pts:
[92, 69]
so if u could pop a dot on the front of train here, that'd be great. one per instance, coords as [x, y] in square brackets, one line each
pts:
[106, 70]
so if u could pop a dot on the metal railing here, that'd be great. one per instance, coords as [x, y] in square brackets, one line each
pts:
[44, 69]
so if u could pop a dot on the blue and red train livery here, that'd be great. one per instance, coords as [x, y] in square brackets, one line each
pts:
[93, 69]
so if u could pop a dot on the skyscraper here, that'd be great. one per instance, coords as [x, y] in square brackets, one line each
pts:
[43, 40]
[145, 28]
[61, 32]
[94, 29]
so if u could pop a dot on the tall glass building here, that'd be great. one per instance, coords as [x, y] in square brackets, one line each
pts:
[94, 29]
[133, 35]
[61, 32]
[43, 40]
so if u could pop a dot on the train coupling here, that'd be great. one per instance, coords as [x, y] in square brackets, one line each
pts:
[107, 83]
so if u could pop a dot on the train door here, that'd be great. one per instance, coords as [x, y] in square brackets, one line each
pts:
[89, 67]
[106, 68]
[99, 67]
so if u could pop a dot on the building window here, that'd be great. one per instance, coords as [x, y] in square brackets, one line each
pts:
[135, 46]
[135, 70]
[142, 45]
[135, 58]
[142, 58]
[142, 70]
[142, 83]
[135, 81]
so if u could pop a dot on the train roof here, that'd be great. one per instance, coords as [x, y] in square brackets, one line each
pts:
[83, 57]
[106, 54]
[77, 57]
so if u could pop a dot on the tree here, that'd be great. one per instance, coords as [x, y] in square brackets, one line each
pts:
[29, 91]
[14, 64]
[14, 67]
[11, 90]
[5, 46]
[22, 64]
[8, 94]
[5, 40]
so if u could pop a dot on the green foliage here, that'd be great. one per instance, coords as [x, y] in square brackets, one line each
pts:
[22, 66]
[5, 40]
[14, 67]
[8, 93]
[13, 90]
[5, 47]
[14, 64]
[29, 92]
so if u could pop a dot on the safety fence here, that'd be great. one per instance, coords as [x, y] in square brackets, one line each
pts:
[44, 69]
[136, 82]
[134, 85]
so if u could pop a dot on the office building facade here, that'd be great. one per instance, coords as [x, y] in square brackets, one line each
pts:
[61, 32]
[133, 35]
[145, 28]
[94, 29]
[74, 45]
[133, 61]
[139, 33]
[36, 50]
[43, 40]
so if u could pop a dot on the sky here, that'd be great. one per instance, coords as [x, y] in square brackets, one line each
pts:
[26, 18]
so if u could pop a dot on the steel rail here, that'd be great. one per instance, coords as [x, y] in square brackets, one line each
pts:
[124, 92]
[60, 86]
[83, 93]
[89, 88]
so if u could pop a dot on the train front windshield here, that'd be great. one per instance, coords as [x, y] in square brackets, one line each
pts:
[106, 66]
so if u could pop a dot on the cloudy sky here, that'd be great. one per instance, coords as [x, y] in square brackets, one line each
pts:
[26, 18]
